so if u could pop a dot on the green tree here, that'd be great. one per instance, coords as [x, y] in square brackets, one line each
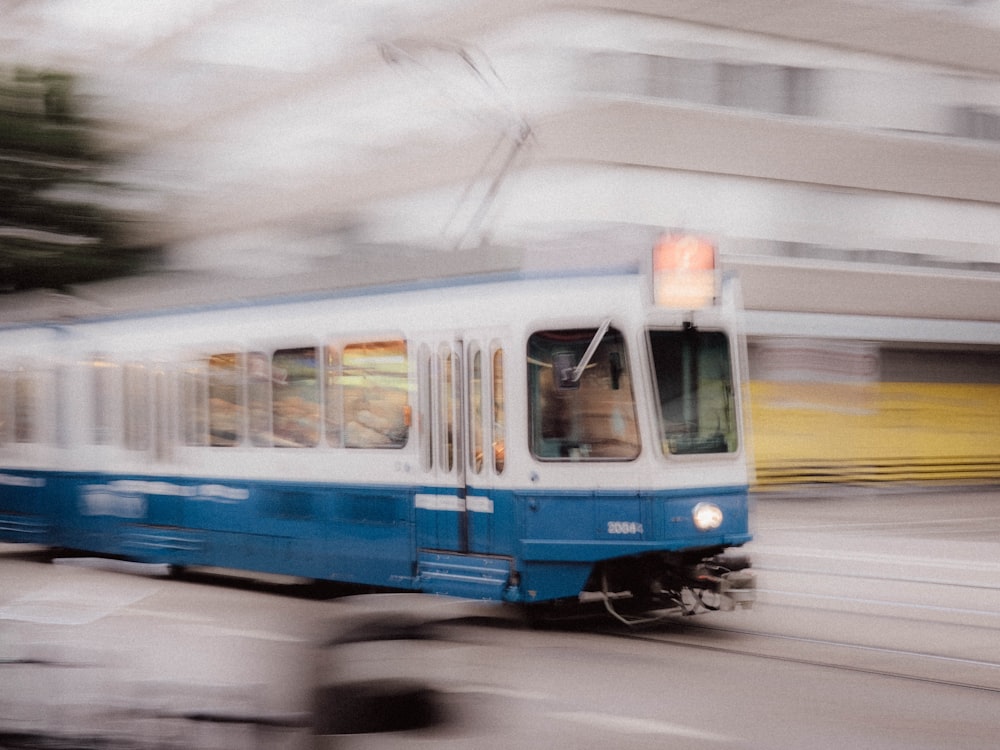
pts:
[57, 226]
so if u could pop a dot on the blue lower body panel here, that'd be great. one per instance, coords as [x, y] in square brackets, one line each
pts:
[25, 529]
[27, 508]
[345, 533]
[526, 546]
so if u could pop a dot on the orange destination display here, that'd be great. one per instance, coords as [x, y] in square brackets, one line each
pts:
[684, 272]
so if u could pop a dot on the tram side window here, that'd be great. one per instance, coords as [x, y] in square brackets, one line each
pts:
[375, 394]
[163, 424]
[226, 412]
[26, 416]
[446, 408]
[194, 403]
[103, 387]
[499, 418]
[334, 398]
[136, 394]
[295, 397]
[425, 424]
[259, 399]
[693, 375]
[476, 412]
[6, 403]
[578, 409]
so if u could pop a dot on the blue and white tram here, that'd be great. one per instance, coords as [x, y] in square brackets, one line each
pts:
[525, 440]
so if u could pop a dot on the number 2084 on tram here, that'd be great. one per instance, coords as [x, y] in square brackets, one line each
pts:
[536, 440]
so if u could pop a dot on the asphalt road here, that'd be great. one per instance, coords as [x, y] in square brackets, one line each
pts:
[876, 627]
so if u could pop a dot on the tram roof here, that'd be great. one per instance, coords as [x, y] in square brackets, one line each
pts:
[383, 270]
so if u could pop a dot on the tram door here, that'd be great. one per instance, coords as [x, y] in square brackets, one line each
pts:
[441, 504]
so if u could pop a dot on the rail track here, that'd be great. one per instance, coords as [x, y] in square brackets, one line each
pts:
[881, 661]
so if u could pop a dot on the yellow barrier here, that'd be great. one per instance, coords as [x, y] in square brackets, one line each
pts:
[840, 432]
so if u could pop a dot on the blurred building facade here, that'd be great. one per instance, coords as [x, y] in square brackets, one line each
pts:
[844, 155]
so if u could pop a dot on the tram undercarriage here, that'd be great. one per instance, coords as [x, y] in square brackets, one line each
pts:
[646, 588]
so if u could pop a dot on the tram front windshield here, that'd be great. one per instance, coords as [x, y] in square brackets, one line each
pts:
[580, 399]
[693, 375]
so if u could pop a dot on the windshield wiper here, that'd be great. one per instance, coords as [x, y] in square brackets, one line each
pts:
[577, 372]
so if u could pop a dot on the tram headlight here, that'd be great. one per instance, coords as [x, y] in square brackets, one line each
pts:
[707, 516]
